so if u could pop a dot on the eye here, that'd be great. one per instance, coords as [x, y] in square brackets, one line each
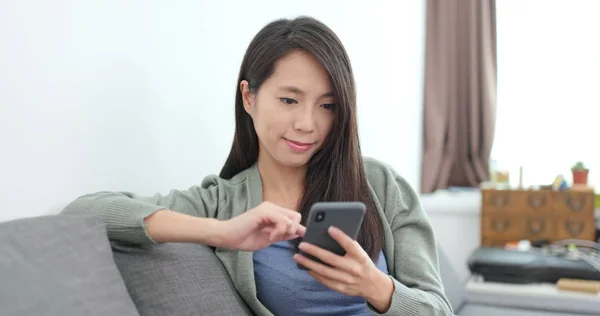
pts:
[288, 101]
[328, 106]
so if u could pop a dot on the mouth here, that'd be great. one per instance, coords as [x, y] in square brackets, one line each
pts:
[298, 146]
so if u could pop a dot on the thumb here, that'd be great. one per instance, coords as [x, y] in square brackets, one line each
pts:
[301, 230]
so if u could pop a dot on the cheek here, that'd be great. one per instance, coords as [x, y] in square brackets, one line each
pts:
[269, 122]
[325, 123]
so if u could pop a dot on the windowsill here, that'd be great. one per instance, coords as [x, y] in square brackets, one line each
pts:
[458, 202]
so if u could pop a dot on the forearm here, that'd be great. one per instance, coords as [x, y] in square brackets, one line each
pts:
[125, 213]
[167, 226]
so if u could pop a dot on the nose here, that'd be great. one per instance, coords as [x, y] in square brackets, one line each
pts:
[305, 120]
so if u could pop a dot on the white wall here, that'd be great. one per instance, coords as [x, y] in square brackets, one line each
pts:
[548, 65]
[138, 95]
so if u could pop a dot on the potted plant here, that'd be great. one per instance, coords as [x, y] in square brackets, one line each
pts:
[580, 173]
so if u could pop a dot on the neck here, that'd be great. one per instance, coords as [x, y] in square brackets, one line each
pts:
[281, 184]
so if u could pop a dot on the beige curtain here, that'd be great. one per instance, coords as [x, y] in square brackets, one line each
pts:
[460, 93]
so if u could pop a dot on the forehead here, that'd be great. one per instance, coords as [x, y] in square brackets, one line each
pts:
[301, 70]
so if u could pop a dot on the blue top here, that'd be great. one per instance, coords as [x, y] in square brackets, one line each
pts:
[287, 290]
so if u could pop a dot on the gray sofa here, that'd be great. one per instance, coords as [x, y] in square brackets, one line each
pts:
[62, 265]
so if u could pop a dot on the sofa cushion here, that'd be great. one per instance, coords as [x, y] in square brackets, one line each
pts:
[177, 279]
[59, 265]
[453, 287]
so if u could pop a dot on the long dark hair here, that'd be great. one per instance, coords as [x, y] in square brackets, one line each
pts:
[336, 171]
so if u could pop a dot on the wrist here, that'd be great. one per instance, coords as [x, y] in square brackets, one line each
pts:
[209, 232]
[380, 297]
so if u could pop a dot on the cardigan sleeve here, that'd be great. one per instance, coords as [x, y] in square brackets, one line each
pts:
[418, 288]
[124, 212]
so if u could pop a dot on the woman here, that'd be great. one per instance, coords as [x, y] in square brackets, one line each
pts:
[295, 143]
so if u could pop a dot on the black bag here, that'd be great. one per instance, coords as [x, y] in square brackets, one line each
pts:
[535, 266]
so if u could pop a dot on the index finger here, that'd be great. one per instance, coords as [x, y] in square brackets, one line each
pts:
[293, 215]
[282, 210]
[345, 241]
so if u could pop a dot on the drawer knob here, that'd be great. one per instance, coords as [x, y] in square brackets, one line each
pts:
[575, 204]
[574, 227]
[499, 200]
[500, 226]
[536, 201]
[536, 225]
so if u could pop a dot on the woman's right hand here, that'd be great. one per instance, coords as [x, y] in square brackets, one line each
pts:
[259, 227]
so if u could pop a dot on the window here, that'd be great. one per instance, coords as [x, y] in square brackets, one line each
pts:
[548, 88]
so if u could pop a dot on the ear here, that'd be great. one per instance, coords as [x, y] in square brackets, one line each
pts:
[247, 97]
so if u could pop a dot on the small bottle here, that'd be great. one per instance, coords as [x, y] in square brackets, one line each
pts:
[492, 169]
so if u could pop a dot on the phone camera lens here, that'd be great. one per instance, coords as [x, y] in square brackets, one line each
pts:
[320, 217]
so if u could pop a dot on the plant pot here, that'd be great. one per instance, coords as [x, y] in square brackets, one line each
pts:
[580, 176]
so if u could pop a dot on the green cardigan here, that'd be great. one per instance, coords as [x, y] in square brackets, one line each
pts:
[409, 247]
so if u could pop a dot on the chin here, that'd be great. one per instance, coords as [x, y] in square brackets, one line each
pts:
[294, 162]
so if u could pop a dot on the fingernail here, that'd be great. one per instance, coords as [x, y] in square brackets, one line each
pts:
[302, 245]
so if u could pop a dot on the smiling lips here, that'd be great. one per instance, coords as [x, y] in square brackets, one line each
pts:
[297, 146]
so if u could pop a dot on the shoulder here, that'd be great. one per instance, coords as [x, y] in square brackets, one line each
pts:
[227, 191]
[389, 187]
[377, 170]
[381, 174]
[214, 180]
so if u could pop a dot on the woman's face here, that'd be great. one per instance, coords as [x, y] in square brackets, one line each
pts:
[293, 109]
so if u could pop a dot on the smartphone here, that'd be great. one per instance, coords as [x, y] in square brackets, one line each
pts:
[347, 216]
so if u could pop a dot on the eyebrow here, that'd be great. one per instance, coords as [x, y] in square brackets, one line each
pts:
[297, 90]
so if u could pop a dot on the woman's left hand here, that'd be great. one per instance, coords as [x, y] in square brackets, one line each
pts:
[354, 274]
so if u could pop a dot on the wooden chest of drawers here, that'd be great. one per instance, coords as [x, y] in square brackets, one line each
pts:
[511, 215]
